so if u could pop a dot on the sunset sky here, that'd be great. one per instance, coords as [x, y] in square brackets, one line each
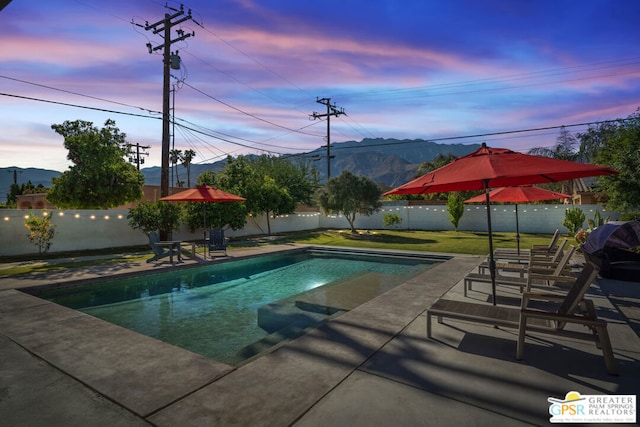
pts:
[250, 77]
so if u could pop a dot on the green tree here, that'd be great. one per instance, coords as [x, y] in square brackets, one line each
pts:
[41, 231]
[187, 158]
[438, 161]
[100, 178]
[350, 195]
[270, 198]
[294, 176]
[20, 189]
[566, 148]
[455, 207]
[620, 150]
[148, 217]
[175, 157]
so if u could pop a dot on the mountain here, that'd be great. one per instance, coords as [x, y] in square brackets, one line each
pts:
[390, 162]
[22, 176]
[386, 169]
[412, 150]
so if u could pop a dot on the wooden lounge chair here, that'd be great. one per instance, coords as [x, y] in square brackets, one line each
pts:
[527, 319]
[217, 241]
[522, 265]
[548, 274]
[163, 249]
[524, 254]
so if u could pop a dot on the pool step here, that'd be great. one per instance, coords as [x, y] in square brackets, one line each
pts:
[332, 299]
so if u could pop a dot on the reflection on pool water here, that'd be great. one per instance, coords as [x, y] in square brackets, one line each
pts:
[234, 310]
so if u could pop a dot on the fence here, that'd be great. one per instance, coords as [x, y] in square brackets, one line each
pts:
[97, 229]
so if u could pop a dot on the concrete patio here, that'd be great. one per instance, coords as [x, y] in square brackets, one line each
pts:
[371, 366]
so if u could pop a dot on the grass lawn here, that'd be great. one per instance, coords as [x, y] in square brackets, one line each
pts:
[461, 242]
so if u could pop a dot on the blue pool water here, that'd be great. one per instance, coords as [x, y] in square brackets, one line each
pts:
[231, 311]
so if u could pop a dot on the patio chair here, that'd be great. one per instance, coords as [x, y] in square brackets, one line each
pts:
[547, 273]
[162, 249]
[522, 265]
[572, 309]
[524, 254]
[217, 240]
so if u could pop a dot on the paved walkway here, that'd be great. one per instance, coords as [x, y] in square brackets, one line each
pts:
[372, 366]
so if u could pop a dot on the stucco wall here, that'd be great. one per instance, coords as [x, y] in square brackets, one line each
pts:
[95, 229]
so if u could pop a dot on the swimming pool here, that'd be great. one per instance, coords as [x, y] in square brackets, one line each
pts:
[232, 311]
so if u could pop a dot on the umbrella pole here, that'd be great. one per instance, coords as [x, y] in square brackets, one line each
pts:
[204, 231]
[492, 262]
[517, 230]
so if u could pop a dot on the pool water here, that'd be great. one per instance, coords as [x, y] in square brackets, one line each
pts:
[234, 310]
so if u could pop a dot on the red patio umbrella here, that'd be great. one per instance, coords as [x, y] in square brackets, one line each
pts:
[203, 194]
[488, 168]
[521, 194]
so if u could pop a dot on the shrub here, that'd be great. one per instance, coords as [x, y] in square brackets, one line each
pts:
[597, 221]
[573, 219]
[41, 231]
[391, 219]
[148, 217]
[455, 207]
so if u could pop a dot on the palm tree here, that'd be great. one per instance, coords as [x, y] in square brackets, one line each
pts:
[175, 156]
[566, 148]
[186, 162]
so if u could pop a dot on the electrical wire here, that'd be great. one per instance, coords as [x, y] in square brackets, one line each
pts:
[247, 113]
[66, 104]
[79, 94]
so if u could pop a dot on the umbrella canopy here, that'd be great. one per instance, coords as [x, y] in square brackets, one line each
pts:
[203, 193]
[521, 194]
[497, 167]
[517, 195]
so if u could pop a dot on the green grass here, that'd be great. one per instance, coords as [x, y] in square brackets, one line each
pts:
[461, 242]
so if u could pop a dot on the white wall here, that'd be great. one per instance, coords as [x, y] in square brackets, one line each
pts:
[96, 229]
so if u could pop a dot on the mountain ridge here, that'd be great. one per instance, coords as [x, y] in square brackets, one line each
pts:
[387, 161]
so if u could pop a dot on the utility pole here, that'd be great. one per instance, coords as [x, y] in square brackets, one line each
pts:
[332, 110]
[15, 173]
[170, 60]
[137, 159]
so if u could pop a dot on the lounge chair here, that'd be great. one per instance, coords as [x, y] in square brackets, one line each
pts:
[217, 241]
[163, 249]
[522, 265]
[527, 319]
[524, 254]
[548, 274]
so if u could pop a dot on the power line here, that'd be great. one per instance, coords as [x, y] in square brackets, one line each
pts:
[77, 94]
[449, 138]
[417, 90]
[66, 104]
[247, 113]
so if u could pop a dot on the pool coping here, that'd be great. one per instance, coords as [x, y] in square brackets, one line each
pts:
[59, 336]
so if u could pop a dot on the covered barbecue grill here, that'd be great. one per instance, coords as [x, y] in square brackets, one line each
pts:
[615, 248]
